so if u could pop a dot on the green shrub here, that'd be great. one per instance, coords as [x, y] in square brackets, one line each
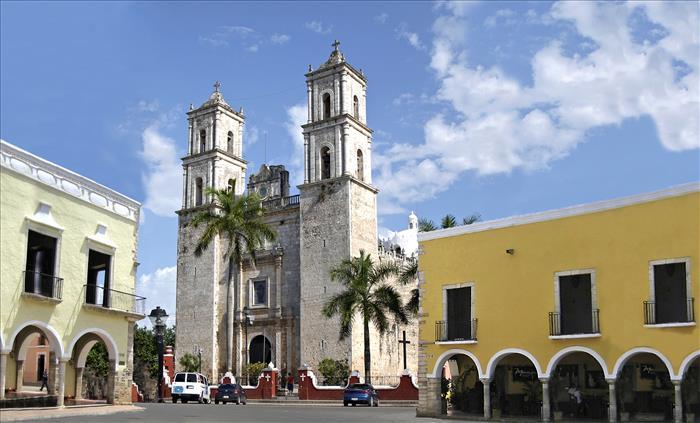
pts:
[335, 372]
[189, 363]
[252, 371]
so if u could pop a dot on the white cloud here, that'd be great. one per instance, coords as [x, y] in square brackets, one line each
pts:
[159, 288]
[279, 38]
[502, 17]
[225, 33]
[318, 27]
[251, 135]
[381, 18]
[163, 175]
[296, 116]
[253, 48]
[499, 124]
[412, 37]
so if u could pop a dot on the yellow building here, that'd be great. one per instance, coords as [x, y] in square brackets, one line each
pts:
[585, 311]
[68, 270]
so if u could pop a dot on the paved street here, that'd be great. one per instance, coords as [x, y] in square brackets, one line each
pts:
[258, 413]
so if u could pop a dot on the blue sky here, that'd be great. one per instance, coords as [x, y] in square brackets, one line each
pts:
[498, 108]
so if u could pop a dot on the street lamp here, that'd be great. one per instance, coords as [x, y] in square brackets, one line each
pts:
[158, 317]
[248, 322]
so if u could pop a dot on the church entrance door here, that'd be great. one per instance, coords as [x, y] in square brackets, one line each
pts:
[260, 350]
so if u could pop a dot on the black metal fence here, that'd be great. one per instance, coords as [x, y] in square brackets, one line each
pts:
[556, 328]
[43, 284]
[113, 299]
[651, 317]
[460, 330]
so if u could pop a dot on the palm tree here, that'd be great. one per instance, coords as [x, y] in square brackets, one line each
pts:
[237, 219]
[473, 218]
[407, 275]
[365, 294]
[426, 225]
[448, 221]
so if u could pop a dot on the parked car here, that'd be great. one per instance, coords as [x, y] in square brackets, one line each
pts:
[190, 387]
[361, 393]
[230, 392]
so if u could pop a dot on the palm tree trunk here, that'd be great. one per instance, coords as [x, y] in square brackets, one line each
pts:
[368, 357]
[229, 317]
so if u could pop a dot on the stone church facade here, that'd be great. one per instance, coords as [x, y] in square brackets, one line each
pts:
[270, 310]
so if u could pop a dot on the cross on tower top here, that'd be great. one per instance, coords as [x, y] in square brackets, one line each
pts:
[217, 86]
[335, 45]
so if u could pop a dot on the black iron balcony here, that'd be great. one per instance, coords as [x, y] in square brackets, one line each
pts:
[43, 284]
[114, 300]
[654, 315]
[572, 325]
[459, 330]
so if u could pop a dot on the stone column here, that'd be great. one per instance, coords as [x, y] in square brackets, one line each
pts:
[545, 399]
[612, 408]
[344, 95]
[336, 99]
[309, 103]
[313, 175]
[53, 374]
[487, 398]
[678, 402]
[61, 382]
[429, 401]
[278, 280]
[3, 373]
[111, 381]
[79, 382]
[346, 141]
[306, 157]
[20, 375]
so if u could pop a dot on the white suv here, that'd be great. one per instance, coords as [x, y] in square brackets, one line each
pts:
[190, 387]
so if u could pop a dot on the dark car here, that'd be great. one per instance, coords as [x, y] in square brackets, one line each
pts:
[230, 392]
[361, 393]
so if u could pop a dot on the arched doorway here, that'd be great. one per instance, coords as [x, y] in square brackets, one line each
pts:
[260, 350]
[461, 388]
[577, 385]
[644, 389]
[515, 388]
[94, 358]
[690, 387]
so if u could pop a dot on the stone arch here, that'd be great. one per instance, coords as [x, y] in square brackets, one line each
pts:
[493, 362]
[326, 105]
[640, 350]
[266, 342]
[325, 159]
[103, 336]
[573, 349]
[54, 339]
[355, 107]
[229, 142]
[687, 361]
[360, 165]
[440, 362]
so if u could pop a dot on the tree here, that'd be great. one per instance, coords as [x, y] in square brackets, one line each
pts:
[238, 219]
[448, 221]
[189, 363]
[96, 371]
[473, 218]
[365, 294]
[335, 372]
[253, 371]
[408, 275]
[426, 225]
[146, 357]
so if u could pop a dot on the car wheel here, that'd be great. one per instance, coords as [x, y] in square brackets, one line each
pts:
[245, 402]
[224, 402]
[184, 401]
[217, 402]
[345, 403]
[238, 401]
[174, 400]
[354, 404]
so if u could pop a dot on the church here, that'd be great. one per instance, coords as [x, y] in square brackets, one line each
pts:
[270, 310]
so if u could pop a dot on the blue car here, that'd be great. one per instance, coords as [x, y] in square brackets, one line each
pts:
[361, 393]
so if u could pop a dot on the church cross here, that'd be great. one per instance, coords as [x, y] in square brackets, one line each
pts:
[217, 86]
[267, 377]
[303, 376]
[335, 45]
[404, 342]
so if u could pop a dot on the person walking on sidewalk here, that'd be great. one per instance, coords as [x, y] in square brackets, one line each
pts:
[290, 383]
[45, 381]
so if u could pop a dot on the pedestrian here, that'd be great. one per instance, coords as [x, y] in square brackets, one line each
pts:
[290, 383]
[45, 381]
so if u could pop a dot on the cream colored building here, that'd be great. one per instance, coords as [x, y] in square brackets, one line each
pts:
[68, 272]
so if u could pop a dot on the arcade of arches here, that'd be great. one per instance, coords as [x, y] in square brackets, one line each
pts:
[576, 384]
[35, 350]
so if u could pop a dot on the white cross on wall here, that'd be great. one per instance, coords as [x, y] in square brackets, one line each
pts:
[267, 377]
[302, 377]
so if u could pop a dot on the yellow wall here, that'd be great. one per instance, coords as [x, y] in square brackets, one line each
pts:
[20, 198]
[515, 293]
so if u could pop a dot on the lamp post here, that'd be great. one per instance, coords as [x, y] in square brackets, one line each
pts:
[158, 317]
[248, 322]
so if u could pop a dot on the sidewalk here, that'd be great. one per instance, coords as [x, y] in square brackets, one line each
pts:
[36, 413]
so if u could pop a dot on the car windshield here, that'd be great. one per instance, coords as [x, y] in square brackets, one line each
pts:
[360, 386]
[226, 386]
[180, 377]
[192, 377]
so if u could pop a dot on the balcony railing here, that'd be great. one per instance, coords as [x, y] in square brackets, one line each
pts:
[42, 284]
[652, 316]
[571, 327]
[460, 330]
[281, 202]
[114, 300]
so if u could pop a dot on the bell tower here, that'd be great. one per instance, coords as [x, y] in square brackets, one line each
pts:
[338, 203]
[214, 160]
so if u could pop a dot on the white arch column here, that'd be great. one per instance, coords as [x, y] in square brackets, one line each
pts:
[79, 382]
[3, 372]
[545, 399]
[61, 391]
[677, 402]
[612, 400]
[20, 375]
[487, 397]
